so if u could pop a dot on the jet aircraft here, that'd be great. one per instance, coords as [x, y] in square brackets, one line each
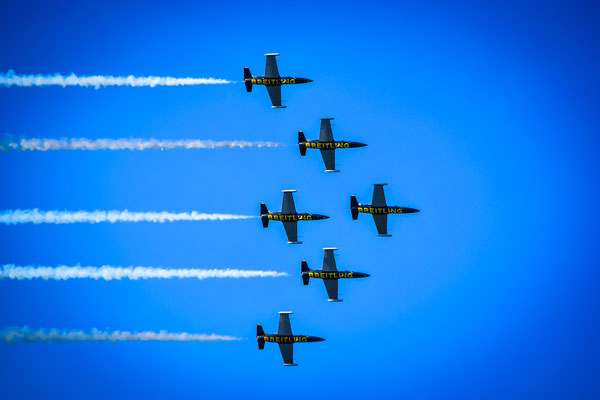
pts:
[271, 80]
[284, 338]
[326, 144]
[329, 274]
[288, 216]
[379, 209]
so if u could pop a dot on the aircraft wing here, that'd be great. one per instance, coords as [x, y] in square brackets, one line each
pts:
[291, 230]
[378, 195]
[287, 352]
[332, 288]
[329, 260]
[326, 135]
[329, 159]
[285, 328]
[271, 70]
[275, 95]
[380, 223]
[288, 207]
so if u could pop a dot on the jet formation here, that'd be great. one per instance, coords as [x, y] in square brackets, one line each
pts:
[329, 273]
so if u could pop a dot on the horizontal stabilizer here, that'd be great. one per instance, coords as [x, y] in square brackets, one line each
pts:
[302, 143]
[294, 242]
[281, 107]
[354, 207]
[290, 365]
[335, 300]
[260, 333]
[332, 170]
[386, 235]
[304, 268]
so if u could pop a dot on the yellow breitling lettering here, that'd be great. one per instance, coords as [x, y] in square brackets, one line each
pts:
[350, 275]
[253, 81]
[292, 81]
[347, 145]
[305, 339]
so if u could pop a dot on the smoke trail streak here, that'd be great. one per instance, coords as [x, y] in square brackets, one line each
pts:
[11, 79]
[44, 144]
[26, 334]
[107, 272]
[35, 216]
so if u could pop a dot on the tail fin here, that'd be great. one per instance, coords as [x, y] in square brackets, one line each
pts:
[247, 75]
[263, 215]
[302, 143]
[305, 268]
[354, 207]
[259, 339]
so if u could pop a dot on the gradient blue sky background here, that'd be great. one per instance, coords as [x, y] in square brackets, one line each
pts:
[483, 116]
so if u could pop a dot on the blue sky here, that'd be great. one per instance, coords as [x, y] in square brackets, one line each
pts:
[482, 116]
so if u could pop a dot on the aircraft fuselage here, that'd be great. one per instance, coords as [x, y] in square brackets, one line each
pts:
[289, 339]
[278, 81]
[369, 209]
[316, 144]
[321, 274]
[278, 216]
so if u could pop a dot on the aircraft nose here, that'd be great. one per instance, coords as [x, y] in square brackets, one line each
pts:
[308, 81]
[318, 339]
[412, 210]
[362, 144]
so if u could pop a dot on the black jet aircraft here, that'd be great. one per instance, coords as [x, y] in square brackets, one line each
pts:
[271, 80]
[288, 216]
[326, 144]
[284, 338]
[329, 274]
[379, 209]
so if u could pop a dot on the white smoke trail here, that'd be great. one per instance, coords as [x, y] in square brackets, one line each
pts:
[107, 272]
[35, 216]
[44, 144]
[11, 79]
[26, 334]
